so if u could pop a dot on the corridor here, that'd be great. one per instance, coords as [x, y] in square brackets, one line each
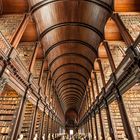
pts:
[69, 69]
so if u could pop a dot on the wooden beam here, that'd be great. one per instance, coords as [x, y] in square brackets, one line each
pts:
[18, 35]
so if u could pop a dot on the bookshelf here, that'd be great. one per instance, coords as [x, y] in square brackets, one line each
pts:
[45, 124]
[132, 104]
[95, 90]
[38, 122]
[99, 80]
[27, 120]
[26, 50]
[117, 49]
[9, 24]
[94, 129]
[98, 127]
[44, 79]
[37, 70]
[9, 103]
[131, 21]
[105, 123]
[106, 69]
[116, 121]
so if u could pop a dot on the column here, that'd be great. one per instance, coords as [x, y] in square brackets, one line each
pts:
[100, 117]
[122, 109]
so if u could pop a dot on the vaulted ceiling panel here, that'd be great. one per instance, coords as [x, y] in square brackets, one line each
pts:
[71, 31]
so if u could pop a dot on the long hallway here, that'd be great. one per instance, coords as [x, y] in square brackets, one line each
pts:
[69, 69]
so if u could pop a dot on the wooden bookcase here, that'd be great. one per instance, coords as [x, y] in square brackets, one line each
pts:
[99, 80]
[27, 120]
[105, 123]
[9, 104]
[94, 129]
[106, 69]
[116, 121]
[45, 124]
[131, 20]
[37, 70]
[132, 104]
[26, 50]
[9, 24]
[117, 49]
[98, 126]
[39, 118]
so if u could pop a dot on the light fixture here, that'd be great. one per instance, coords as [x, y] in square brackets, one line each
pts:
[71, 132]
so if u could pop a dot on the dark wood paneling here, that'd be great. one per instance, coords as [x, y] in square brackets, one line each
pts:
[127, 5]
[15, 6]
[30, 33]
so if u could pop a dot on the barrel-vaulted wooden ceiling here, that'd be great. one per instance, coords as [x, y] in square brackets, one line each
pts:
[70, 32]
